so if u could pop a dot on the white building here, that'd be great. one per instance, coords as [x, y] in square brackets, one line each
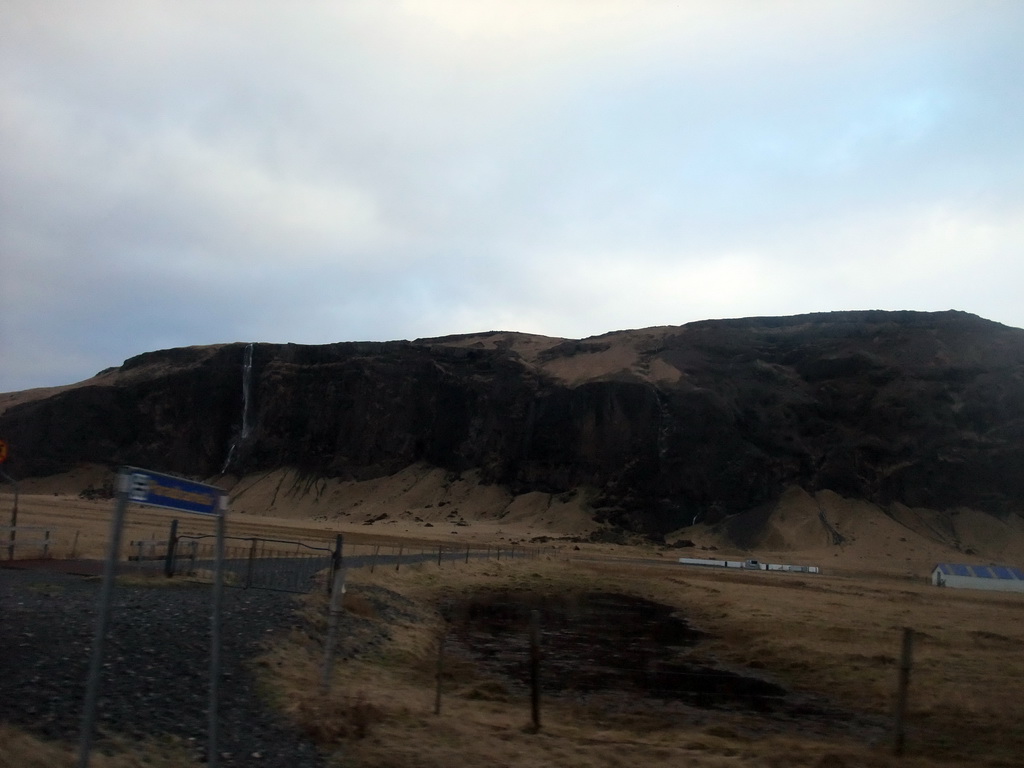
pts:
[998, 578]
[748, 565]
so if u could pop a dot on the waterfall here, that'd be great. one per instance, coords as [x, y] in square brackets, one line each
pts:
[246, 384]
[246, 388]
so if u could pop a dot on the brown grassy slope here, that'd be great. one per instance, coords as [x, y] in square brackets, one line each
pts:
[903, 541]
[426, 503]
[610, 354]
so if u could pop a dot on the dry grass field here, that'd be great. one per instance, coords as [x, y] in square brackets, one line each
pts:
[833, 639]
[21, 750]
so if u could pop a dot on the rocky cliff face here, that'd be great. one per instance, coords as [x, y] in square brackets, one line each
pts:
[669, 424]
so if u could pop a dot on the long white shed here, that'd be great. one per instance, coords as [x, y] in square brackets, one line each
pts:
[996, 578]
[748, 565]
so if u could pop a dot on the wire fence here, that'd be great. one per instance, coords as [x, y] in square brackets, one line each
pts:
[27, 541]
[297, 566]
[251, 563]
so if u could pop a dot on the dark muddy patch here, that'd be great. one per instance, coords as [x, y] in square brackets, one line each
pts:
[596, 643]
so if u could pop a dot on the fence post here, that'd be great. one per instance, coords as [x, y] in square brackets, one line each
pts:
[440, 673]
[499, 554]
[535, 668]
[467, 553]
[14, 514]
[216, 619]
[337, 595]
[398, 564]
[439, 555]
[172, 544]
[92, 686]
[901, 691]
[250, 564]
[337, 558]
[46, 545]
[373, 560]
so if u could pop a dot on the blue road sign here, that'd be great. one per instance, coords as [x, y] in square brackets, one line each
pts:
[159, 490]
[156, 490]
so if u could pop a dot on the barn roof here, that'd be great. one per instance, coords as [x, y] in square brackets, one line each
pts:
[981, 571]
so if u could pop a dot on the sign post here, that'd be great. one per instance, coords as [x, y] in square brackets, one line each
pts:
[154, 489]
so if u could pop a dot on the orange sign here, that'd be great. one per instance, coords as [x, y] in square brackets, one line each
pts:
[3, 451]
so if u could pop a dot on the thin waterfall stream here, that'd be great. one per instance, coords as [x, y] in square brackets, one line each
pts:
[246, 391]
[246, 387]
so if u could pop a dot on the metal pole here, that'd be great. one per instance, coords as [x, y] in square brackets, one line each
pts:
[212, 756]
[337, 596]
[901, 691]
[92, 687]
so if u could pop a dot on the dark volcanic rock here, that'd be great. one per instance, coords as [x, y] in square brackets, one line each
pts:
[922, 408]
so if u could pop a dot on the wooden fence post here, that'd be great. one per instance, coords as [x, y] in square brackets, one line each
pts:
[337, 560]
[172, 544]
[899, 735]
[373, 560]
[467, 553]
[251, 564]
[14, 514]
[398, 563]
[337, 595]
[439, 673]
[535, 668]
[439, 555]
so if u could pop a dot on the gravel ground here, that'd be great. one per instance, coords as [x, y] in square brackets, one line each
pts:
[156, 671]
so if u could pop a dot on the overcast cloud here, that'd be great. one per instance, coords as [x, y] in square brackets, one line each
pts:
[177, 173]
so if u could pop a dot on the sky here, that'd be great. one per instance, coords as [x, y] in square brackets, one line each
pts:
[179, 173]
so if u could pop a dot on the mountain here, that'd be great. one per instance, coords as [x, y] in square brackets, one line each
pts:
[666, 425]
